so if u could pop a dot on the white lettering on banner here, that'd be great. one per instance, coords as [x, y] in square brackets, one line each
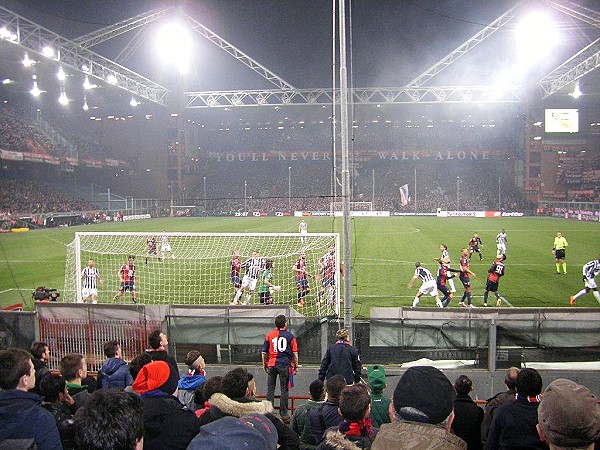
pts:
[278, 214]
[136, 217]
[461, 213]
[241, 214]
[256, 213]
[512, 214]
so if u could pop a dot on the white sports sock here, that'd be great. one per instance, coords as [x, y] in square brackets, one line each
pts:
[597, 295]
[582, 293]
[415, 302]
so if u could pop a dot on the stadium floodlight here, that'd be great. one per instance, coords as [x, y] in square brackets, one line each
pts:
[8, 35]
[62, 99]
[61, 74]
[27, 62]
[48, 51]
[174, 45]
[86, 83]
[85, 104]
[7, 81]
[111, 79]
[134, 102]
[536, 35]
[35, 90]
[576, 92]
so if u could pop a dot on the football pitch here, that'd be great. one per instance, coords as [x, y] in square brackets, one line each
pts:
[384, 251]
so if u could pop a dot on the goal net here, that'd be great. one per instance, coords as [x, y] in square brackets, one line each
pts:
[197, 270]
[354, 206]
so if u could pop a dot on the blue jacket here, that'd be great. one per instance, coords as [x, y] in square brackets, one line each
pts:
[114, 373]
[341, 359]
[22, 417]
[187, 386]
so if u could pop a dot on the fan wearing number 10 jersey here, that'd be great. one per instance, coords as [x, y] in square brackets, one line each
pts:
[280, 359]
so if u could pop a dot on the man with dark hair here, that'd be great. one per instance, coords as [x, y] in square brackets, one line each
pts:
[40, 352]
[467, 415]
[135, 366]
[233, 401]
[203, 393]
[158, 343]
[23, 421]
[110, 420]
[421, 413]
[514, 426]
[280, 359]
[327, 415]
[300, 423]
[74, 368]
[501, 398]
[114, 372]
[356, 428]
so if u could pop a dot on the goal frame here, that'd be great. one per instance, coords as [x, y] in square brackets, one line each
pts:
[333, 206]
[76, 260]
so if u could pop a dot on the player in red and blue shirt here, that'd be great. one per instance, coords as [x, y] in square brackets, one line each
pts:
[280, 359]
[494, 273]
[127, 278]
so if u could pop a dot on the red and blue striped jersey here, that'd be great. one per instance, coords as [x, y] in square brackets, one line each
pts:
[280, 346]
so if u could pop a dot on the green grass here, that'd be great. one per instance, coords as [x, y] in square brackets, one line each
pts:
[383, 256]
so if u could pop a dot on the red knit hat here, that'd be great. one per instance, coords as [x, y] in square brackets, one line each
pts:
[156, 375]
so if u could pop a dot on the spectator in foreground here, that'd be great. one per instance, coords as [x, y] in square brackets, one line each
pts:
[327, 415]
[515, 423]
[167, 423]
[192, 380]
[23, 421]
[568, 416]
[110, 420]
[73, 367]
[157, 350]
[421, 413]
[135, 366]
[341, 358]
[114, 372]
[234, 401]
[40, 352]
[357, 428]
[205, 392]
[380, 404]
[501, 398]
[251, 432]
[467, 415]
[300, 423]
[57, 401]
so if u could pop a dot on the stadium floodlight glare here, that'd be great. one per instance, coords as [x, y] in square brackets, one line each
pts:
[134, 102]
[27, 62]
[86, 83]
[48, 51]
[576, 92]
[61, 74]
[8, 35]
[111, 79]
[537, 35]
[174, 45]
[85, 104]
[62, 99]
[35, 90]
[7, 81]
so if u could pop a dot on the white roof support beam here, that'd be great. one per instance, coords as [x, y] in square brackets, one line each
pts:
[577, 66]
[582, 13]
[369, 96]
[464, 48]
[34, 38]
[239, 55]
[111, 31]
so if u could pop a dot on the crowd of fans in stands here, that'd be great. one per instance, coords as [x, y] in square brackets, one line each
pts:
[148, 404]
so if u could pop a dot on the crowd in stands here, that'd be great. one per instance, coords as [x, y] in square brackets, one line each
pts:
[21, 135]
[141, 405]
[23, 196]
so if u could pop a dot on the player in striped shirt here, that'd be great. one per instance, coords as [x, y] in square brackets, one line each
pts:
[446, 257]
[429, 285]
[90, 277]
[254, 266]
[301, 281]
[280, 359]
[590, 272]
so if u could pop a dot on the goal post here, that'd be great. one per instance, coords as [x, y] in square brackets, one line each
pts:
[197, 269]
[354, 206]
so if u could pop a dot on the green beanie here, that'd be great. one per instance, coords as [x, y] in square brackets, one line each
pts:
[376, 377]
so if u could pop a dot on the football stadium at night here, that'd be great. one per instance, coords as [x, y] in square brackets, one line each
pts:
[422, 174]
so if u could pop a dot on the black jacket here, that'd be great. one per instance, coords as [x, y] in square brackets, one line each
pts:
[467, 421]
[514, 427]
[167, 423]
[341, 358]
[324, 417]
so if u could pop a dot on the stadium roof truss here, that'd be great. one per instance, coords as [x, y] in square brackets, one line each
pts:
[76, 54]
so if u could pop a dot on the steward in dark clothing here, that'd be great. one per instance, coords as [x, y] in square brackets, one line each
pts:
[22, 418]
[41, 370]
[114, 373]
[221, 405]
[341, 358]
[467, 421]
